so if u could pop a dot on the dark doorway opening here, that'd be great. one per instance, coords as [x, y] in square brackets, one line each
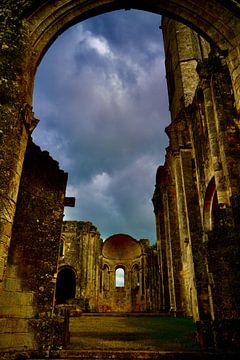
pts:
[66, 286]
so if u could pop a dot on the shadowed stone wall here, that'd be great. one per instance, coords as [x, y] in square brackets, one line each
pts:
[202, 174]
[28, 289]
[141, 275]
[28, 28]
[94, 264]
[81, 250]
[200, 151]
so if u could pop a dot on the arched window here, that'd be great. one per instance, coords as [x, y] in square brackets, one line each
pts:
[66, 286]
[210, 205]
[119, 277]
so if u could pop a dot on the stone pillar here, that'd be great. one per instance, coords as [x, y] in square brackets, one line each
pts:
[212, 126]
[163, 289]
[33, 256]
[185, 237]
[13, 142]
[227, 122]
[194, 292]
[222, 243]
[197, 262]
[234, 67]
[181, 204]
[168, 231]
[165, 230]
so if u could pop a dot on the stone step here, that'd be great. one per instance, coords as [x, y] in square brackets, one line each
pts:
[143, 355]
[121, 354]
[125, 314]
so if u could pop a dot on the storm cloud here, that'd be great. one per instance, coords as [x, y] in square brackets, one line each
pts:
[101, 97]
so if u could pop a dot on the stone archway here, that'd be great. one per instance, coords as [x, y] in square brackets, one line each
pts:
[66, 285]
[49, 20]
[28, 31]
[30, 27]
[210, 205]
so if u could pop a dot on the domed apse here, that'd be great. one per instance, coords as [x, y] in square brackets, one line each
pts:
[121, 246]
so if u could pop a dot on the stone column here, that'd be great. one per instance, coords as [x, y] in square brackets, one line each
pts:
[193, 274]
[16, 119]
[233, 61]
[181, 204]
[168, 232]
[212, 126]
[165, 214]
[197, 260]
[187, 273]
[160, 253]
[16, 128]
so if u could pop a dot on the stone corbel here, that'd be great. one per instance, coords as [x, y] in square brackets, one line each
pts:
[27, 117]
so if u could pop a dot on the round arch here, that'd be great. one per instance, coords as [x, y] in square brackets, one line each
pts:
[120, 266]
[210, 205]
[218, 21]
[120, 276]
[66, 285]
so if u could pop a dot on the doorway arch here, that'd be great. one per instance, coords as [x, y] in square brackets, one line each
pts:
[37, 24]
[210, 205]
[66, 285]
[41, 23]
[47, 20]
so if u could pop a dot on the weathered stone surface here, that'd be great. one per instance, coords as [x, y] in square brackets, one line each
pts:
[28, 288]
[139, 263]
[94, 264]
[81, 248]
[208, 129]
[202, 165]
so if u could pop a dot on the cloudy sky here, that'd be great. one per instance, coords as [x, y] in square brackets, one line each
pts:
[100, 94]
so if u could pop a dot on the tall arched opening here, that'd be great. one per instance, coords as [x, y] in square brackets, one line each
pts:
[28, 31]
[65, 286]
[120, 277]
[210, 205]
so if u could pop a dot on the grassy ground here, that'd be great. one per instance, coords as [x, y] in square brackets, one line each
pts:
[132, 333]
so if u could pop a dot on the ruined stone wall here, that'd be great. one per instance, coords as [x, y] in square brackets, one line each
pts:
[28, 289]
[175, 199]
[81, 252]
[203, 163]
[173, 248]
[28, 28]
[153, 273]
[94, 264]
[183, 50]
[139, 261]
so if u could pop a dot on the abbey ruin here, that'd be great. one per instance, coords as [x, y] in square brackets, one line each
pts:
[89, 267]
[194, 270]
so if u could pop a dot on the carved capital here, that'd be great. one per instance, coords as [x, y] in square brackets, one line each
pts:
[27, 117]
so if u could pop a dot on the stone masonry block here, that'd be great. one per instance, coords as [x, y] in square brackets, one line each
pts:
[16, 298]
[17, 311]
[10, 325]
[12, 285]
[17, 341]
